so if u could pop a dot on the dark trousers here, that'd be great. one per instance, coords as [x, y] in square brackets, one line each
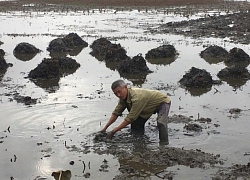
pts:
[162, 111]
[138, 125]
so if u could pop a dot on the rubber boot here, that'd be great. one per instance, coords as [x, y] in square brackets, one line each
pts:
[163, 133]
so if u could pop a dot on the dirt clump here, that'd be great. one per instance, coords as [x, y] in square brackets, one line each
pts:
[103, 49]
[196, 78]
[235, 111]
[235, 75]
[164, 51]
[66, 44]
[54, 68]
[25, 51]
[25, 48]
[136, 65]
[238, 56]
[234, 71]
[116, 58]
[3, 64]
[214, 54]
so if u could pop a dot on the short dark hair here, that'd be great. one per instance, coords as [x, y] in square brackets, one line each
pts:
[117, 83]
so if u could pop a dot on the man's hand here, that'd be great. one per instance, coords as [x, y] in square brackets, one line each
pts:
[103, 131]
[110, 135]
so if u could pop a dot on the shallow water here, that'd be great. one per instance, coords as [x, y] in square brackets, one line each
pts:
[34, 139]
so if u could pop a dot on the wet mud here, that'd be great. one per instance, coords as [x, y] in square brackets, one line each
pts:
[138, 160]
[234, 26]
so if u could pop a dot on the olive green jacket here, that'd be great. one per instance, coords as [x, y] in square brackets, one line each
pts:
[140, 102]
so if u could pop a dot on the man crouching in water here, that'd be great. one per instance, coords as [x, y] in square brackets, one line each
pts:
[141, 104]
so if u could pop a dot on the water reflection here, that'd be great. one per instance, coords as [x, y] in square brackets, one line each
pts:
[213, 60]
[74, 52]
[236, 83]
[25, 57]
[136, 79]
[198, 91]
[242, 64]
[162, 61]
[49, 85]
[2, 73]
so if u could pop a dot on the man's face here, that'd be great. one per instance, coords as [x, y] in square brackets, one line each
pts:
[121, 92]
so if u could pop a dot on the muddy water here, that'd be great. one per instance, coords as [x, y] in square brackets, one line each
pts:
[35, 139]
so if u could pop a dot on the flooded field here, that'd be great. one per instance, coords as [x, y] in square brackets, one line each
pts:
[58, 131]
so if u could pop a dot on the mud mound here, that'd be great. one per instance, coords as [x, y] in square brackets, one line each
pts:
[25, 51]
[58, 45]
[54, 68]
[25, 48]
[66, 44]
[3, 64]
[196, 78]
[137, 65]
[234, 72]
[214, 52]
[2, 53]
[164, 51]
[72, 39]
[237, 55]
[103, 49]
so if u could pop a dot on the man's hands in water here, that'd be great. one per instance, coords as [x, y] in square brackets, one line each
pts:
[110, 135]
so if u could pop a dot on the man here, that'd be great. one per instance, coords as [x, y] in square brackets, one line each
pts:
[141, 104]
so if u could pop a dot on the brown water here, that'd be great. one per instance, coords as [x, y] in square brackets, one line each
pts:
[80, 105]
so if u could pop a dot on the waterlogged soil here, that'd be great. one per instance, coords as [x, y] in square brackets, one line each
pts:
[234, 26]
[137, 157]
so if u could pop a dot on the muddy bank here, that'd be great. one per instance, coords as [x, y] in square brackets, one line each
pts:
[17, 5]
[233, 26]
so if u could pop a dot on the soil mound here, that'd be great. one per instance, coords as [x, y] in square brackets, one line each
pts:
[164, 51]
[214, 52]
[54, 68]
[66, 44]
[234, 71]
[137, 65]
[237, 55]
[25, 48]
[103, 49]
[196, 78]
[3, 64]
[2, 53]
